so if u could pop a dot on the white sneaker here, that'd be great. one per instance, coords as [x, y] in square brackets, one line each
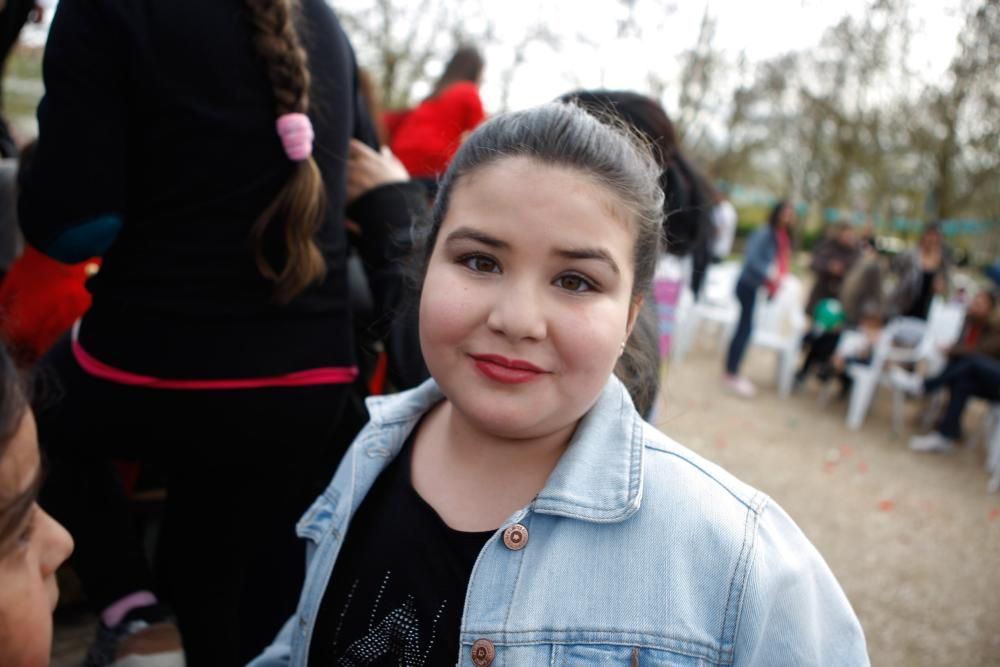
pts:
[740, 386]
[911, 383]
[932, 442]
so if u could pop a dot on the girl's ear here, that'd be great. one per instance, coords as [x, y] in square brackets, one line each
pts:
[633, 313]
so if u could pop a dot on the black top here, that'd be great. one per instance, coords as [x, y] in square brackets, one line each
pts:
[162, 113]
[398, 589]
[921, 306]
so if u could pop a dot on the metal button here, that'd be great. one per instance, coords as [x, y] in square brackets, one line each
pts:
[483, 652]
[515, 537]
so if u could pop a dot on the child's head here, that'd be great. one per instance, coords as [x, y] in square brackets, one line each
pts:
[543, 240]
[872, 317]
[32, 544]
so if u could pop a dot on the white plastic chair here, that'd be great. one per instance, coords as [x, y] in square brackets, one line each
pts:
[717, 305]
[944, 323]
[866, 378]
[992, 424]
[779, 325]
[944, 326]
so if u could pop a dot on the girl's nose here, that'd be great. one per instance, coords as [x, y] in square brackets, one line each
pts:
[518, 312]
[56, 542]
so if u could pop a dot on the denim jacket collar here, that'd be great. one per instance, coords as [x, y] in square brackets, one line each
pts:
[598, 479]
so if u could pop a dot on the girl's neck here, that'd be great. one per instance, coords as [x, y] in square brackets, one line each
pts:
[475, 479]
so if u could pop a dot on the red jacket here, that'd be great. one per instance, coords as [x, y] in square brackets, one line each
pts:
[428, 136]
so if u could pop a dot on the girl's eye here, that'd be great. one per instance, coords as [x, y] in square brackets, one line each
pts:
[480, 264]
[574, 283]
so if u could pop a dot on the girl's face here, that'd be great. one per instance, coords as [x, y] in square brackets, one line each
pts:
[28, 559]
[527, 297]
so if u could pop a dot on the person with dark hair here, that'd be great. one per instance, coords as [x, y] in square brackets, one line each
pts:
[32, 544]
[200, 148]
[767, 260]
[687, 229]
[515, 509]
[922, 272]
[972, 370]
[832, 259]
[428, 136]
[649, 120]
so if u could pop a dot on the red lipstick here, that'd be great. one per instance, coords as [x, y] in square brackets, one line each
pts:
[507, 371]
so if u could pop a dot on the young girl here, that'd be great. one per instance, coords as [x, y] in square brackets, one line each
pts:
[32, 544]
[516, 509]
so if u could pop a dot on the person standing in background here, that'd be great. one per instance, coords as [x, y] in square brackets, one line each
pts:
[200, 148]
[767, 261]
[428, 136]
[724, 221]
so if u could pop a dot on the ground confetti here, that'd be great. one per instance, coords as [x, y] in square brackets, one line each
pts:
[886, 505]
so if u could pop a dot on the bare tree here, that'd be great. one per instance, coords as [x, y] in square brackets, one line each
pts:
[398, 40]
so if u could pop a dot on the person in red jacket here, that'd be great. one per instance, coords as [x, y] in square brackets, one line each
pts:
[428, 136]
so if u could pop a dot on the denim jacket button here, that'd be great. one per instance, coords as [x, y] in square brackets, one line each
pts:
[515, 537]
[483, 652]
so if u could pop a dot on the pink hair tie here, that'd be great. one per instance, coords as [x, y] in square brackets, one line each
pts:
[296, 132]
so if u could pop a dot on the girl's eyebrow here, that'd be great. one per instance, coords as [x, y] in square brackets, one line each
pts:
[599, 254]
[468, 233]
[463, 233]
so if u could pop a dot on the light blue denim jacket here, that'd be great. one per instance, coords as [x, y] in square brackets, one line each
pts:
[639, 552]
[761, 248]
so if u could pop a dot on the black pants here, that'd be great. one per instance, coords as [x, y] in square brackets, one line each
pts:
[240, 467]
[820, 346]
[965, 377]
[747, 296]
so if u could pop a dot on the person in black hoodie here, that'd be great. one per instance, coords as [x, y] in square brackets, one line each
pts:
[200, 148]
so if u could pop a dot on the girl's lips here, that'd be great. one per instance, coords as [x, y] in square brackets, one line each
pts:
[507, 371]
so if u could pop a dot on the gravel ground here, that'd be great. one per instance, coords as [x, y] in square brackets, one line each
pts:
[913, 539]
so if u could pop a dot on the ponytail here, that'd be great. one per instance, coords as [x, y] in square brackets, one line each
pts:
[301, 202]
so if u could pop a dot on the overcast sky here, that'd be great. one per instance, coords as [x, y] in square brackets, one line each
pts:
[592, 55]
[760, 29]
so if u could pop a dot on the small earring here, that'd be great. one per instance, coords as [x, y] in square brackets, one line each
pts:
[622, 350]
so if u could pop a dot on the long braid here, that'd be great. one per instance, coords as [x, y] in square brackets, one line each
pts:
[302, 201]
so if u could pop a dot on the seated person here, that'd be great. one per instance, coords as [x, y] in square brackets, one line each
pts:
[973, 370]
[823, 337]
[854, 346]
